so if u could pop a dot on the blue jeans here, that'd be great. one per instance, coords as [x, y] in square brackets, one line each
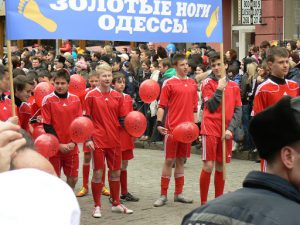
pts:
[248, 142]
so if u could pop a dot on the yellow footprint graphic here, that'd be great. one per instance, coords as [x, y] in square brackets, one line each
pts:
[31, 10]
[213, 22]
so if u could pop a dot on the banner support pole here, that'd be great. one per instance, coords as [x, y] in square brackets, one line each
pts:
[223, 74]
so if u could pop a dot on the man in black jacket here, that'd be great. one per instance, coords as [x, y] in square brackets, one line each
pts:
[266, 198]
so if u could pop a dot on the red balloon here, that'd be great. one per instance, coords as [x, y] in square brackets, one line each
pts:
[81, 129]
[38, 130]
[186, 132]
[149, 90]
[41, 90]
[47, 145]
[135, 123]
[77, 85]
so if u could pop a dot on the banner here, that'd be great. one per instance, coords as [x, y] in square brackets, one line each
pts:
[117, 20]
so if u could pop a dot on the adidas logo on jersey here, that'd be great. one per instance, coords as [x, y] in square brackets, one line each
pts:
[4, 108]
[65, 104]
[285, 93]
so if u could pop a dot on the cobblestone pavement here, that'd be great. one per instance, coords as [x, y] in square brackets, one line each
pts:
[144, 181]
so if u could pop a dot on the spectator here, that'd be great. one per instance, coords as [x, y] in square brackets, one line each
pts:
[264, 195]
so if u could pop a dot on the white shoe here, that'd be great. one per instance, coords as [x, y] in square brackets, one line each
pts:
[97, 212]
[121, 209]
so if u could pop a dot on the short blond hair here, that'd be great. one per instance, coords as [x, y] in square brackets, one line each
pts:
[103, 68]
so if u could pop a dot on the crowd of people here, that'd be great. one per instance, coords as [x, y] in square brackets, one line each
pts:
[192, 84]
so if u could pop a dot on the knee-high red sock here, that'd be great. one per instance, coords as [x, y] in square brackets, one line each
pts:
[204, 186]
[115, 190]
[219, 184]
[179, 182]
[103, 175]
[96, 190]
[123, 181]
[164, 185]
[86, 174]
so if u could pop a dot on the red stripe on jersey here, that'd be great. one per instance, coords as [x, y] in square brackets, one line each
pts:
[24, 114]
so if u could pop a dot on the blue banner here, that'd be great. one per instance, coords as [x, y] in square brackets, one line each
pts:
[117, 20]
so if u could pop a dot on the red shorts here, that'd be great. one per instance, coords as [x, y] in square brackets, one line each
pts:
[175, 149]
[127, 154]
[69, 163]
[85, 149]
[212, 149]
[113, 158]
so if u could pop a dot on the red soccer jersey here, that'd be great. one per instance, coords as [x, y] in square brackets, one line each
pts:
[24, 114]
[5, 108]
[60, 112]
[180, 97]
[126, 140]
[212, 122]
[105, 109]
[269, 92]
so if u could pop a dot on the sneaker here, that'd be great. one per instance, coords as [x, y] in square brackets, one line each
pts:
[111, 200]
[129, 198]
[83, 192]
[121, 209]
[182, 199]
[97, 212]
[161, 201]
[105, 191]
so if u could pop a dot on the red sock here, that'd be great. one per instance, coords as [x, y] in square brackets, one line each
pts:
[123, 181]
[263, 165]
[103, 175]
[115, 190]
[164, 185]
[86, 174]
[109, 182]
[179, 182]
[219, 184]
[96, 190]
[204, 186]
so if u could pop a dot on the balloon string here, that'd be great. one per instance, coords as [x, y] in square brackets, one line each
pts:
[141, 107]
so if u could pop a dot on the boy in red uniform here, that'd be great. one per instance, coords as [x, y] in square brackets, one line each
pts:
[94, 82]
[212, 90]
[276, 86]
[5, 102]
[179, 97]
[127, 144]
[59, 109]
[23, 88]
[105, 107]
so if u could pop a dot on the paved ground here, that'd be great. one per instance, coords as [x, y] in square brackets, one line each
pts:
[144, 181]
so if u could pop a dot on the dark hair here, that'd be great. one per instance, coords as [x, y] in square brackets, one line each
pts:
[276, 51]
[293, 45]
[148, 63]
[234, 69]
[44, 73]
[202, 66]
[118, 76]
[62, 73]
[35, 58]
[137, 50]
[247, 61]
[2, 71]
[32, 75]
[233, 54]
[166, 62]
[143, 46]
[18, 71]
[147, 53]
[216, 56]
[15, 61]
[97, 55]
[176, 58]
[20, 82]
[162, 52]
[192, 64]
[265, 44]
[155, 64]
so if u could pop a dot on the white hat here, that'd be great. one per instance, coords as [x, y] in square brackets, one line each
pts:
[124, 56]
[33, 197]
